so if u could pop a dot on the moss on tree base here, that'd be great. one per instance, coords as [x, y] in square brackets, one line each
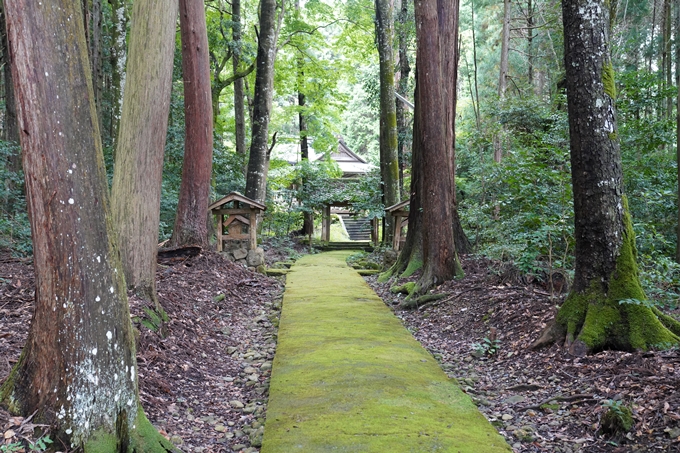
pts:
[144, 438]
[615, 317]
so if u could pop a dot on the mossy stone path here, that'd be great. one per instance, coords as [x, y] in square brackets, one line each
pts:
[348, 377]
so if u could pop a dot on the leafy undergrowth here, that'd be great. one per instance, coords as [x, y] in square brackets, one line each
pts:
[205, 384]
[546, 400]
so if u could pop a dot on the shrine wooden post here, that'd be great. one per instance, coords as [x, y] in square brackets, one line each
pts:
[400, 213]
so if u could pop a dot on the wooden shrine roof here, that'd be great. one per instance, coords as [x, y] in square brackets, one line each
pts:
[399, 206]
[235, 196]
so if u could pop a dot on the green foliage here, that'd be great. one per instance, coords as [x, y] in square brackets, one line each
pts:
[41, 444]
[617, 419]
[644, 303]
[12, 447]
[15, 230]
[521, 209]
[487, 347]
[308, 186]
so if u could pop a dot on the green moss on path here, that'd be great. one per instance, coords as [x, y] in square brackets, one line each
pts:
[348, 377]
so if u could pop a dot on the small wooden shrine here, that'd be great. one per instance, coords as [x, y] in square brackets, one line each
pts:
[400, 213]
[236, 219]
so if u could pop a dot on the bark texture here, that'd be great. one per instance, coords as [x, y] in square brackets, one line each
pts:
[11, 124]
[239, 107]
[436, 64]
[78, 369]
[605, 308]
[136, 189]
[118, 60]
[404, 71]
[389, 159]
[307, 217]
[410, 257]
[194, 193]
[258, 161]
[677, 131]
[502, 78]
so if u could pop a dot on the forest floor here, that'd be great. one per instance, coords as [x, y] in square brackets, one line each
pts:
[205, 383]
[545, 400]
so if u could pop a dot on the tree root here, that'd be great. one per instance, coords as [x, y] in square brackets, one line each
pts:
[416, 302]
[581, 397]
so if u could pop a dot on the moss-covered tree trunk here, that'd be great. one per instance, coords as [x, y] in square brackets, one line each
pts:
[410, 258]
[605, 307]
[77, 372]
[389, 160]
[136, 189]
[118, 62]
[403, 22]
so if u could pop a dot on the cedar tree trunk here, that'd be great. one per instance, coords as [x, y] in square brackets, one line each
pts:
[389, 160]
[258, 162]
[136, 189]
[194, 193]
[77, 371]
[436, 63]
[605, 308]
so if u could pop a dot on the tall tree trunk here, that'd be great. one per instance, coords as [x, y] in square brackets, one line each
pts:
[503, 76]
[475, 66]
[450, 56]
[389, 161]
[117, 57]
[307, 217]
[530, 45]
[436, 65]
[77, 372]
[11, 123]
[603, 309]
[194, 193]
[258, 163]
[92, 13]
[666, 57]
[404, 71]
[410, 257]
[677, 122]
[651, 38]
[239, 107]
[96, 56]
[136, 189]
[10, 126]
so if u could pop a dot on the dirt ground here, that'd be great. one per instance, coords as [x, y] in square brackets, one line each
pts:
[205, 383]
